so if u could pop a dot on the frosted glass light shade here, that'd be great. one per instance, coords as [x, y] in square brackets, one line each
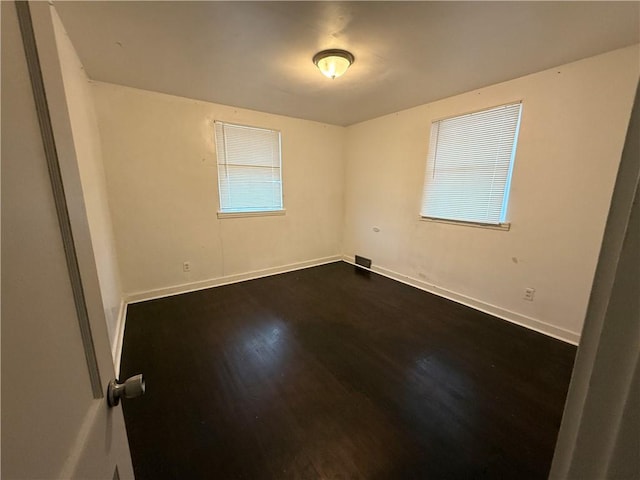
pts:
[333, 63]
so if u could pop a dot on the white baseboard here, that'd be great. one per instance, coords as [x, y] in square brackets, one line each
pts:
[116, 348]
[217, 282]
[513, 317]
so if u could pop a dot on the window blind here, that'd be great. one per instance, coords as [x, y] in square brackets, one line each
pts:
[249, 168]
[469, 166]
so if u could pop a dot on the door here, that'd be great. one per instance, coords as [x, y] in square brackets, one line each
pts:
[56, 361]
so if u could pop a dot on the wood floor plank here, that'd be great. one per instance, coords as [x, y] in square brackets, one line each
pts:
[330, 373]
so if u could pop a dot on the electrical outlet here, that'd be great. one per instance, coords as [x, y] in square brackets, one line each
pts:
[529, 293]
[186, 267]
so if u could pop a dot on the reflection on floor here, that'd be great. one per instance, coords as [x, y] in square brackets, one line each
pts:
[330, 373]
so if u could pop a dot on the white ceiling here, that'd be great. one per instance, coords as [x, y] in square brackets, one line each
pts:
[257, 55]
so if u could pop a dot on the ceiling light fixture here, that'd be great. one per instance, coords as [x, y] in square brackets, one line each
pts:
[333, 63]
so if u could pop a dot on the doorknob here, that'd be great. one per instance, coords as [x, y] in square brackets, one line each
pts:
[132, 387]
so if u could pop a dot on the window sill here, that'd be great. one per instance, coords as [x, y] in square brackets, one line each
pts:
[265, 213]
[491, 226]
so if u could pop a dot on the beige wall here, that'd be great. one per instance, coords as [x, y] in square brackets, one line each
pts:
[34, 333]
[574, 121]
[52, 426]
[86, 139]
[159, 158]
[339, 183]
[600, 431]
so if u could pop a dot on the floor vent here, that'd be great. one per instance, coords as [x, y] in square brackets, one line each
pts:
[363, 262]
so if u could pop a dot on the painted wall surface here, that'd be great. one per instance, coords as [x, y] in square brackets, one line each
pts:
[33, 332]
[573, 126]
[160, 164]
[339, 183]
[88, 152]
[599, 437]
[52, 426]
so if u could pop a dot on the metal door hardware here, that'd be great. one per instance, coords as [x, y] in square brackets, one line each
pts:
[131, 388]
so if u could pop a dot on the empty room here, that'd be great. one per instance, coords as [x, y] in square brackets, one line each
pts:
[320, 240]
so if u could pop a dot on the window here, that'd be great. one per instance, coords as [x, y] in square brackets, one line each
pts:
[249, 173]
[469, 166]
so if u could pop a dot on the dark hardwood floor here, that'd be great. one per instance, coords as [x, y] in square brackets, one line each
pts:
[333, 373]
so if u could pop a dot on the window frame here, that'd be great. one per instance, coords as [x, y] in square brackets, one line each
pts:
[252, 213]
[504, 225]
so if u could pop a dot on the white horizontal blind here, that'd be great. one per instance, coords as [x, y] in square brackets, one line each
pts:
[469, 166]
[249, 173]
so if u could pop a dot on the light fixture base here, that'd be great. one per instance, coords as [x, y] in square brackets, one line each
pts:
[333, 62]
